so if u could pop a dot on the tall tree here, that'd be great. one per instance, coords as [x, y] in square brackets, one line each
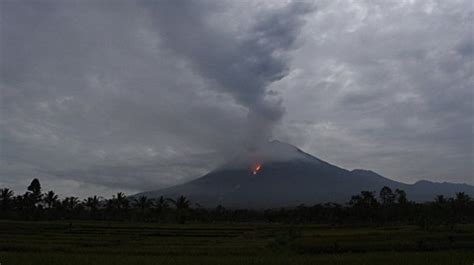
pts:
[143, 204]
[70, 203]
[6, 198]
[50, 198]
[365, 205]
[181, 202]
[35, 187]
[121, 201]
[366, 199]
[401, 197]
[161, 204]
[462, 199]
[440, 199]
[34, 195]
[461, 204]
[92, 203]
[118, 205]
[182, 208]
[387, 197]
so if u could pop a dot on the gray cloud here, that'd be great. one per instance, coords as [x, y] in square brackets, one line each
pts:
[91, 87]
[241, 63]
[102, 96]
[388, 89]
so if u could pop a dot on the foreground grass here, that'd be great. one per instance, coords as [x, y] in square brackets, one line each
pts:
[134, 243]
[387, 258]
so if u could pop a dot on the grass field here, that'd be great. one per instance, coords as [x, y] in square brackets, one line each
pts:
[134, 243]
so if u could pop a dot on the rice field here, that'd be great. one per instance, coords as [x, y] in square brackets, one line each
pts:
[85, 242]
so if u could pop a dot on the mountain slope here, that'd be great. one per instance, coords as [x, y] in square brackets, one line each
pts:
[289, 177]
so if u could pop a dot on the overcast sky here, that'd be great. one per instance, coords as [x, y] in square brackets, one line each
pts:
[106, 96]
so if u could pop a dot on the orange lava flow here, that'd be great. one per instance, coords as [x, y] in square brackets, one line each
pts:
[256, 168]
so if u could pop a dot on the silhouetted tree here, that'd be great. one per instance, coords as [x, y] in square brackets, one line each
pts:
[121, 201]
[92, 205]
[363, 208]
[118, 205]
[401, 197]
[182, 205]
[161, 204]
[387, 197]
[32, 197]
[461, 207]
[50, 198]
[143, 204]
[366, 199]
[365, 205]
[6, 199]
[462, 199]
[440, 199]
[70, 203]
[35, 189]
[160, 207]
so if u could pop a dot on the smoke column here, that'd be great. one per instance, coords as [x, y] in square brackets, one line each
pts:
[243, 65]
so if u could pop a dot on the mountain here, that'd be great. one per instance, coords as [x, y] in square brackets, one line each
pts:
[276, 174]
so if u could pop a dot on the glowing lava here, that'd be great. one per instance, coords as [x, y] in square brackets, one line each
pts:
[256, 168]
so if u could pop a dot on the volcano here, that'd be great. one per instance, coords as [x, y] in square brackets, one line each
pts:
[277, 174]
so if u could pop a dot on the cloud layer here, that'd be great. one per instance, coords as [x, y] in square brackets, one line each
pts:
[101, 96]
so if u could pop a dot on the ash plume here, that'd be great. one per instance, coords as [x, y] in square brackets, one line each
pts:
[242, 64]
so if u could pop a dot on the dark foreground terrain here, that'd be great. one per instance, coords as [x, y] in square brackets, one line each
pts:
[100, 242]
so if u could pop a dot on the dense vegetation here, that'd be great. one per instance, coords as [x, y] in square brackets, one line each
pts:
[366, 208]
[371, 228]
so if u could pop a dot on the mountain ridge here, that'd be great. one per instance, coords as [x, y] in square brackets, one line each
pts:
[288, 176]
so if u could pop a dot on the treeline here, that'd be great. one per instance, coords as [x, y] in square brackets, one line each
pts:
[367, 208]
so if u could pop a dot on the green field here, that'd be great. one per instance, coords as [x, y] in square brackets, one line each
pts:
[83, 243]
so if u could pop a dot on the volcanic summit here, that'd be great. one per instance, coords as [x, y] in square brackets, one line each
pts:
[277, 174]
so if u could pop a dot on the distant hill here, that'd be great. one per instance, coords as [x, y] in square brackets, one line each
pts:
[277, 174]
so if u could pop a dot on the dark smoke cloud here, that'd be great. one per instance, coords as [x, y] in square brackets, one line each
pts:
[242, 64]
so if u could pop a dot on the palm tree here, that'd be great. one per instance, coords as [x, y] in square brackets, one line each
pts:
[110, 205]
[6, 197]
[161, 204]
[440, 199]
[51, 199]
[92, 204]
[118, 204]
[142, 203]
[461, 206]
[121, 201]
[182, 205]
[70, 203]
[20, 202]
[462, 198]
[181, 202]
